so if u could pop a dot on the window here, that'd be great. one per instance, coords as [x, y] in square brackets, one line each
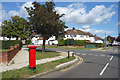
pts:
[81, 35]
[67, 35]
[74, 35]
[87, 36]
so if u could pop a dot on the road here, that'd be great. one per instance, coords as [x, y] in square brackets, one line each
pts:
[96, 64]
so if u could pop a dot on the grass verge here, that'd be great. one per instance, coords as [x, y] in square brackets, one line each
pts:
[47, 54]
[60, 47]
[106, 48]
[26, 72]
[4, 49]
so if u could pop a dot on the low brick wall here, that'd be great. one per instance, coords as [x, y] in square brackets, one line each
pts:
[7, 56]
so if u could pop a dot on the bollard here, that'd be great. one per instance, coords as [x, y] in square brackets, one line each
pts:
[73, 54]
[32, 57]
[68, 54]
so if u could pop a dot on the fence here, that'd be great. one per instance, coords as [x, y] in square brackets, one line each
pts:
[7, 56]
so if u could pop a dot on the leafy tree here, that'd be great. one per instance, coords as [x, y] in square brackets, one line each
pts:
[45, 21]
[109, 40]
[6, 29]
[16, 27]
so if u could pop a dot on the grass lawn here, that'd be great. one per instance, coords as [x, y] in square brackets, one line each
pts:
[4, 49]
[26, 72]
[47, 54]
[60, 47]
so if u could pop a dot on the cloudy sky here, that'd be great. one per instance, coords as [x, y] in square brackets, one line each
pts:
[95, 17]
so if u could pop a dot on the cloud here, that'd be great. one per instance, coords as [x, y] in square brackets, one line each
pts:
[118, 24]
[13, 13]
[95, 31]
[23, 11]
[76, 13]
[85, 26]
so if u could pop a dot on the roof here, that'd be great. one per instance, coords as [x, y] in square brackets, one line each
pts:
[71, 31]
[98, 38]
[40, 38]
[34, 33]
[91, 35]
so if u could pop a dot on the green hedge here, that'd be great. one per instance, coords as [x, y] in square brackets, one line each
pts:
[29, 41]
[8, 43]
[62, 42]
[97, 45]
[79, 42]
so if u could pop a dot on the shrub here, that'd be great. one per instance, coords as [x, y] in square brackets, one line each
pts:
[61, 42]
[8, 43]
[79, 42]
[69, 42]
[97, 45]
[29, 41]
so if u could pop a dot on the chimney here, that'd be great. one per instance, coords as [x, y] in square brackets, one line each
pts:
[74, 28]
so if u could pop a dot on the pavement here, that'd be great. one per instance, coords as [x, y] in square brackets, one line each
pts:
[96, 64]
[22, 60]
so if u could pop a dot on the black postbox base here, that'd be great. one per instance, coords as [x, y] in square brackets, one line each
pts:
[32, 68]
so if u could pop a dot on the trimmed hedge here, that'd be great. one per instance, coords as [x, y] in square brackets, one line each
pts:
[97, 45]
[62, 42]
[79, 42]
[8, 43]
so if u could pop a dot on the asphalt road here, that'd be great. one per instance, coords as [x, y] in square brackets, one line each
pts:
[96, 64]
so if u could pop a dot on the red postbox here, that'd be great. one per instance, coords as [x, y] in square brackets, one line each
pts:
[32, 57]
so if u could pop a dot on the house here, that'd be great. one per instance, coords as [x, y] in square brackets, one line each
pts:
[81, 35]
[91, 37]
[5, 38]
[76, 35]
[98, 39]
[38, 40]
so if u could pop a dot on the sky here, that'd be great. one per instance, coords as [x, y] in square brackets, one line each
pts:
[98, 18]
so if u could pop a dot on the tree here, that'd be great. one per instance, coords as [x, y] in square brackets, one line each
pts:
[45, 21]
[16, 27]
[6, 29]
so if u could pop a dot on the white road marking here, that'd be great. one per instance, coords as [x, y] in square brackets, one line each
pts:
[104, 68]
[95, 55]
[89, 54]
[78, 53]
[115, 50]
[83, 54]
[111, 58]
[102, 55]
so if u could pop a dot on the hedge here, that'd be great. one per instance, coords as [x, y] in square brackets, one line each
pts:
[8, 43]
[29, 41]
[62, 42]
[96, 44]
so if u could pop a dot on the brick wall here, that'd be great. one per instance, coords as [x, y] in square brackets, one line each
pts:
[7, 56]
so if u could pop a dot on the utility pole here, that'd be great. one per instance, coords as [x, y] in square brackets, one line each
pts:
[105, 40]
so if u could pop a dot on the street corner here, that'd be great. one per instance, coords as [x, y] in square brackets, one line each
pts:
[72, 64]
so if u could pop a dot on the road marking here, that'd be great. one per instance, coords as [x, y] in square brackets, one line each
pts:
[111, 58]
[83, 54]
[81, 60]
[95, 55]
[104, 68]
[102, 55]
[78, 53]
[115, 50]
[89, 54]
